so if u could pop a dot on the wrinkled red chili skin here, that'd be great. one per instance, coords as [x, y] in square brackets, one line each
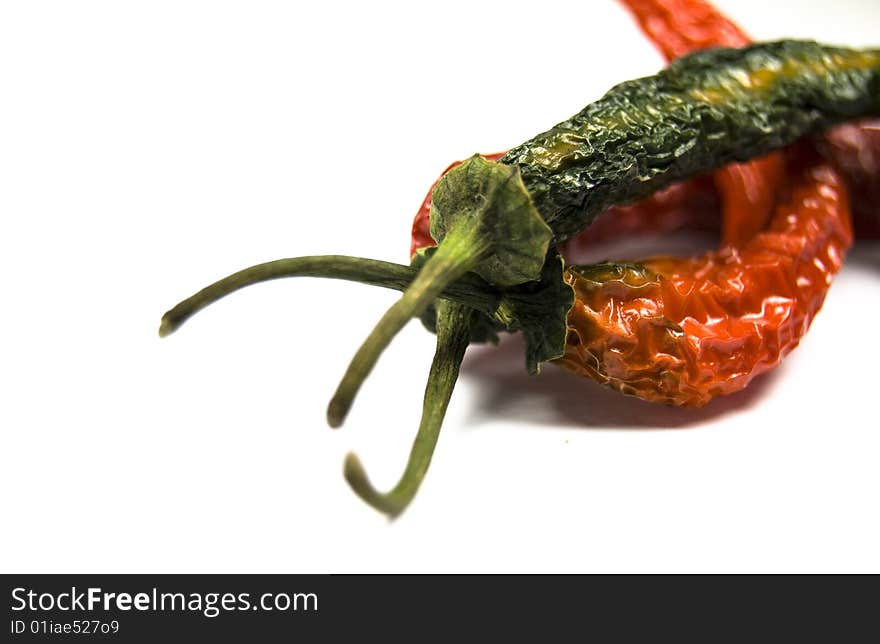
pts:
[681, 331]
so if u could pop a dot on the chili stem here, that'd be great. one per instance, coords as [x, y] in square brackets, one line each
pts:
[460, 251]
[453, 331]
[469, 290]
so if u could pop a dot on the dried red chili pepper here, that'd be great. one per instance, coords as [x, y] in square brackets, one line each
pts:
[682, 331]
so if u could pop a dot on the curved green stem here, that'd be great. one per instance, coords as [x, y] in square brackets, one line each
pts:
[453, 331]
[459, 253]
[469, 290]
[484, 221]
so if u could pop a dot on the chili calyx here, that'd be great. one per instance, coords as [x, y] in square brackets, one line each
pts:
[539, 309]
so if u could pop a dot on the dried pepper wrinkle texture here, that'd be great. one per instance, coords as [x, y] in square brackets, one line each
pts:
[692, 203]
[677, 28]
[705, 110]
[683, 331]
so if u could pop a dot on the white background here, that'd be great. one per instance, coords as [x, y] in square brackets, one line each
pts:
[149, 148]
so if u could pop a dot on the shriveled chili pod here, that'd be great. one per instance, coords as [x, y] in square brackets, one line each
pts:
[693, 204]
[703, 111]
[682, 331]
[677, 28]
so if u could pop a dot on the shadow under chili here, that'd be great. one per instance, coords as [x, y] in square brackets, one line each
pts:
[558, 398]
[865, 254]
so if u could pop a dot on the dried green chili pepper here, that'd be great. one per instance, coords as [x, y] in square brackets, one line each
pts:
[495, 223]
[705, 110]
